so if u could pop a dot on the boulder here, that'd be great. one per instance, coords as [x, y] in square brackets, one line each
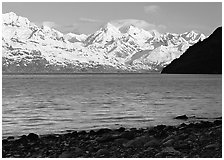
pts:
[182, 117]
[33, 137]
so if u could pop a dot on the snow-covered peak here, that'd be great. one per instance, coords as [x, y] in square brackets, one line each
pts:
[202, 37]
[12, 19]
[107, 33]
[155, 34]
[139, 34]
[58, 33]
[46, 28]
[133, 49]
[72, 37]
[192, 35]
[110, 26]
[110, 30]
[133, 30]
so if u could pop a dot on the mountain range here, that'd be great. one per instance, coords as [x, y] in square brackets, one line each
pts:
[202, 58]
[27, 47]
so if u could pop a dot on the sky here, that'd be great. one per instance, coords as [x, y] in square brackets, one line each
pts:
[87, 17]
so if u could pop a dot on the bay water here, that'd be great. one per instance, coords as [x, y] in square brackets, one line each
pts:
[46, 104]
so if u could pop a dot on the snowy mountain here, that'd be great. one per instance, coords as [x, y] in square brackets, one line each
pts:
[29, 48]
[202, 58]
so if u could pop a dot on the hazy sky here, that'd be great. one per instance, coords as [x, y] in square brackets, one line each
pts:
[87, 17]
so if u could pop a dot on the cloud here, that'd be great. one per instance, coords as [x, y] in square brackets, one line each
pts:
[163, 27]
[89, 20]
[74, 28]
[49, 24]
[138, 23]
[151, 9]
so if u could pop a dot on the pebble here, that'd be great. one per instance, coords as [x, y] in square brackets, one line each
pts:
[186, 140]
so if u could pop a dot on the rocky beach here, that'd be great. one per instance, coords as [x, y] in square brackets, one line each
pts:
[187, 140]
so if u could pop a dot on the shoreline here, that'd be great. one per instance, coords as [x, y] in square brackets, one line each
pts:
[194, 140]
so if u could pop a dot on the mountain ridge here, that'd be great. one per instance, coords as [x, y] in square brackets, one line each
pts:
[204, 57]
[27, 47]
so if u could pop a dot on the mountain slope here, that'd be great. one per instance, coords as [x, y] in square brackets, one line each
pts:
[202, 58]
[29, 48]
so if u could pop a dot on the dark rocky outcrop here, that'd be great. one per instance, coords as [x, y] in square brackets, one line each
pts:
[204, 57]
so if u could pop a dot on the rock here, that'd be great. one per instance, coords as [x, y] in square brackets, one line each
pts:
[133, 129]
[4, 141]
[66, 154]
[160, 134]
[33, 137]
[168, 138]
[106, 138]
[51, 137]
[168, 151]
[102, 153]
[37, 154]
[204, 124]
[10, 138]
[211, 146]
[218, 122]
[169, 128]
[103, 130]
[152, 143]
[183, 117]
[74, 134]
[182, 136]
[121, 129]
[151, 150]
[138, 141]
[23, 139]
[82, 132]
[182, 145]
[128, 135]
[74, 152]
[120, 141]
[182, 126]
[68, 135]
[160, 127]
[169, 142]
[92, 132]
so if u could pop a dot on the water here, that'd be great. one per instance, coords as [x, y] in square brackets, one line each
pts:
[46, 104]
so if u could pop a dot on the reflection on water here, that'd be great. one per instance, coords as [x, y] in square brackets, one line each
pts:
[53, 103]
